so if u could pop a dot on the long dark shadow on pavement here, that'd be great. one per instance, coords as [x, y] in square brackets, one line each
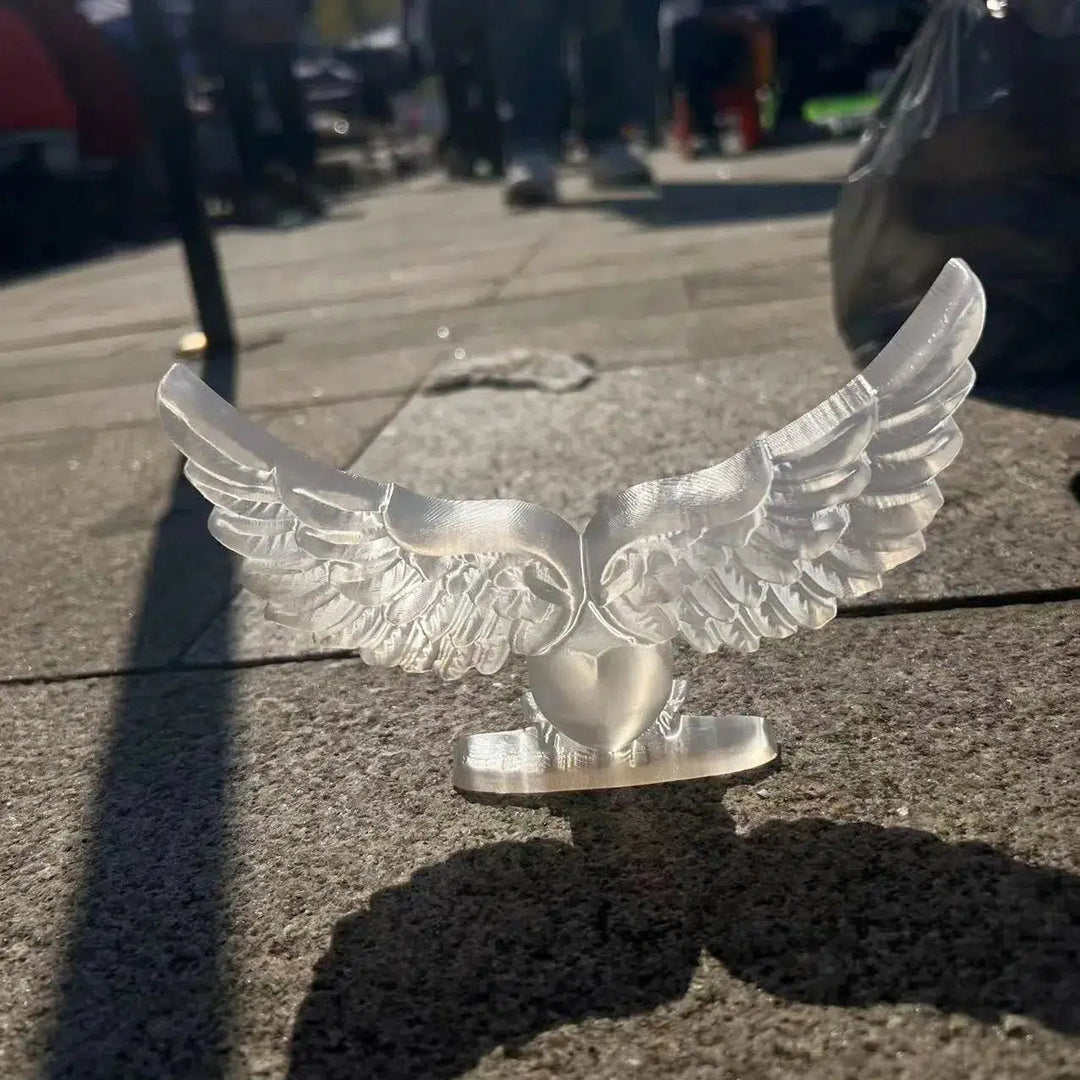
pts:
[677, 205]
[497, 945]
[142, 993]
[976, 601]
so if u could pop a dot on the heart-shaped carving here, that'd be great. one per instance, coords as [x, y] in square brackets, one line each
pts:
[599, 690]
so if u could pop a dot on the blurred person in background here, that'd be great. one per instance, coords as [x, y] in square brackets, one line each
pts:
[253, 43]
[641, 20]
[450, 37]
[699, 58]
[528, 49]
[38, 147]
[806, 35]
[113, 137]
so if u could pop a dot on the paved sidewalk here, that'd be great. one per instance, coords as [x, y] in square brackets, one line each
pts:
[223, 856]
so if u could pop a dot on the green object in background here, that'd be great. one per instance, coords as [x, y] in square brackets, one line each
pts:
[841, 114]
[767, 103]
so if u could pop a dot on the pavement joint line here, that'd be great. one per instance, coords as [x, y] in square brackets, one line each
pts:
[1035, 597]
[175, 668]
[104, 333]
[676, 357]
[491, 297]
[101, 333]
[282, 409]
[499, 286]
[329, 399]
[1019, 598]
[371, 435]
[687, 291]
[211, 617]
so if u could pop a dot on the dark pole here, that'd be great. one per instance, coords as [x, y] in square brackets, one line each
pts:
[166, 99]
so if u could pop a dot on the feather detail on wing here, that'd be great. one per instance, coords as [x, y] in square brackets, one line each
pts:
[768, 542]
[408, 581]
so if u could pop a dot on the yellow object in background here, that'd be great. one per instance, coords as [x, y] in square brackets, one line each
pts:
[193, 344]
[334, 19]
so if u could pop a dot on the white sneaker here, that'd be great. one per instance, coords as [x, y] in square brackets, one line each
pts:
[616, 165]
[530, 180]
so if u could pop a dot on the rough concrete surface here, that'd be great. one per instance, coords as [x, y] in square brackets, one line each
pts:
[303, 890]
[223, 855]
[96, 510]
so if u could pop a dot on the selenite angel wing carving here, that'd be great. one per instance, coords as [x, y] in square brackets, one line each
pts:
[408, 581]
[766, 543]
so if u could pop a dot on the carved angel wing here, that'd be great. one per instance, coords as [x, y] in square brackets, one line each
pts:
[408, 581]
[767, 542]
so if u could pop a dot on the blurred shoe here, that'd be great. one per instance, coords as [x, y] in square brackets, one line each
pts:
[703, 146]
[794, 131]
[530, 180]
[256, 208]
[617, 165]
[457, 164]
[310, 199]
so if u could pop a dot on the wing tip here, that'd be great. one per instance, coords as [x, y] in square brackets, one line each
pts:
[177, 382]
[186, 405]
[956, 278]
[955, 301]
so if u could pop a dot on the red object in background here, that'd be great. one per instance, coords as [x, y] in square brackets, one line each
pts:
[739, 104]
[109, 119]
[742, 106]
[32, 93]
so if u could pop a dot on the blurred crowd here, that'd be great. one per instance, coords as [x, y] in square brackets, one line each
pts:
[523, 81]
[518, 84]
[79, 165]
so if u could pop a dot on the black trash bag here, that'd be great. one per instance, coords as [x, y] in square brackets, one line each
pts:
[974, 152]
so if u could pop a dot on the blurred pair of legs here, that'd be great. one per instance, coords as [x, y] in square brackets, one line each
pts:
[703, 59]
[242, 69]
[530, 41]
[461, 54]
[504, 69]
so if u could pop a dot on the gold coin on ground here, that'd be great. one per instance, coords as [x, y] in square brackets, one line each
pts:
[191, 344]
